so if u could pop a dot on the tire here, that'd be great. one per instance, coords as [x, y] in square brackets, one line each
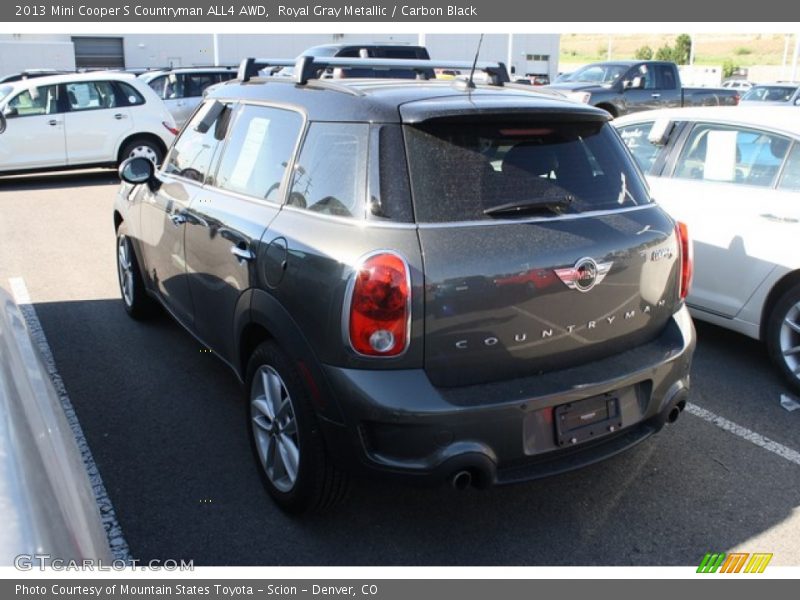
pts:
[142, 147]
[783, 334]
[138, 304]
[289, 450]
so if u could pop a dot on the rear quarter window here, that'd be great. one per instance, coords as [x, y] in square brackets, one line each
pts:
[460, 169]
[330, 175]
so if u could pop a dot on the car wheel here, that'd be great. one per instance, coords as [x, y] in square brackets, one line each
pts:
[783, 336]
[145, 148]
[135, 299]
[285, 437]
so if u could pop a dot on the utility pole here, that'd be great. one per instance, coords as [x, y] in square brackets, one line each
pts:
[796, 54]
[215, 37]
[608, 53]
[786, 39]
[510, 54]
[691, 49]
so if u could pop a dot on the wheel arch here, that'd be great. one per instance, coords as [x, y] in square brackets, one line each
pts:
[141, 135]
[609, 108]
[268, 320]
[783, 285]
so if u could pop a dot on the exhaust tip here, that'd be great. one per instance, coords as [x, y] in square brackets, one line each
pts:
[461, 480]
[674, 413]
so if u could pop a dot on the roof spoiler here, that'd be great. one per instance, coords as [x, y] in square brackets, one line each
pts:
[311, 67]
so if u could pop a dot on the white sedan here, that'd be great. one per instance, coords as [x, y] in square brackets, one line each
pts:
[733, 176]
[81, 120]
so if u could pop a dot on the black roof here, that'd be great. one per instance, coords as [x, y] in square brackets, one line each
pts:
[396, 100]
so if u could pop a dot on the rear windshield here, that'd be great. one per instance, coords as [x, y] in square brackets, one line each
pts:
[459, 170]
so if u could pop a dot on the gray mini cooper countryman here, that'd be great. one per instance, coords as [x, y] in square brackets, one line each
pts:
[427, 279]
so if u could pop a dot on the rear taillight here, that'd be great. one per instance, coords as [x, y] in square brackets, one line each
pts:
[736, 98]
[172, 130]
[687, 258]
[379, 309]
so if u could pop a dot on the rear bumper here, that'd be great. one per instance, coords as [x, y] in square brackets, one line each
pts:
[397, 423]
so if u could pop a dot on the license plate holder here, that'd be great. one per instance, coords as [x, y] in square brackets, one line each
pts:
[586, 419]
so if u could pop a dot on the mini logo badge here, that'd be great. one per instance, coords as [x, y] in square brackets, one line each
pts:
[586, 274]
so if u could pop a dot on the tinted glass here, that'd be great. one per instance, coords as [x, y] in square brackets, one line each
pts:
[195, 83]
[635, 138]
[36, 101]
[158, 85]
[666, 77]
[330, 173]
[458, 170]
[731, 155]
[790, 180]
[91, 95]
[193, 151]
[259, 149]
[770, 93]
[129, 94]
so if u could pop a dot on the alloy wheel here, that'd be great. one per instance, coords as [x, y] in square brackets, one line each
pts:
[275, 428]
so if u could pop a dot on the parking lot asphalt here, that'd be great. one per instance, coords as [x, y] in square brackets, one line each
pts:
[166, 425]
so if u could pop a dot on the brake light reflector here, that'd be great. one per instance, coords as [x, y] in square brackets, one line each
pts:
[687, 258]
[380, 306]
[172, 130]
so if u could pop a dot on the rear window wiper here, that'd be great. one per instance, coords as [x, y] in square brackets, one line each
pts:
[533, 204]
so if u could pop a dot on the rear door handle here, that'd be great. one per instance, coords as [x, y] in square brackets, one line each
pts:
[241, 252]
[178, 219]
[53, 122]
[120, 116]
[656, 95]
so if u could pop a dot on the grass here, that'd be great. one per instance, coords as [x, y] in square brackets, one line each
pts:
[710, 49]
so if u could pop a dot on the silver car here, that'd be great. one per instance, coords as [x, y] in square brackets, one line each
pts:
[46, 499]
[182, 89]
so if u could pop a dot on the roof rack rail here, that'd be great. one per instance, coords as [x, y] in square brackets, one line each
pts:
[310, 67]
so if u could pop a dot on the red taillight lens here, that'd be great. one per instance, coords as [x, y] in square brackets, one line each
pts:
[379, 306]
[172, 130]
[736, 98]
[687, 258]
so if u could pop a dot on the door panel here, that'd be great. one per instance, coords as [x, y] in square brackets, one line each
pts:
[95, 123]
[225, 225]
[163, 218]
[34, 135]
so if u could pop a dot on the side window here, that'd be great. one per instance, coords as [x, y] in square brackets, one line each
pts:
[729, 154]
[635, 138]
[158, 84]
[90, 95]
[790, 180]
[330, 175]
[195, 83]
[258, 151]
[193, 151]
[35, 101]
[666, 77]
[128, 94]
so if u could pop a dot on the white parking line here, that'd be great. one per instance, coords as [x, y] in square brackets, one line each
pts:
[119, 547]
[744, 433]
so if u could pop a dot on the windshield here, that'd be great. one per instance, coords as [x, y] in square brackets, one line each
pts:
[465, 170]
[5, 90]
[599, 74]
[770, 93]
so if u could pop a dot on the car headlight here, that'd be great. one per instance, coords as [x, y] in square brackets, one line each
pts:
[583, 97]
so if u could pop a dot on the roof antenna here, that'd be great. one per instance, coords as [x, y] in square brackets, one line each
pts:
[470, 83]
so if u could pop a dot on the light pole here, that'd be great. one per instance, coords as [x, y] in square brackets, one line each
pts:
[796, 54]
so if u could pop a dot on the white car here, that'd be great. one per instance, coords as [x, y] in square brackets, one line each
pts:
[182, 88]
[81, 120]
[737, 84]
[733, 176]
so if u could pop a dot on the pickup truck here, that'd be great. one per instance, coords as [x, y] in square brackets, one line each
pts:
[623, 87]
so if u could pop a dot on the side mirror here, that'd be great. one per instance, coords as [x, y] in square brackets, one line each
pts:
[632, 84]
[797, 102]
[2, 122]
[10, 111]
[136, 170]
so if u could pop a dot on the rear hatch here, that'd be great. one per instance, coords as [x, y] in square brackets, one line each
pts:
[541, 247]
